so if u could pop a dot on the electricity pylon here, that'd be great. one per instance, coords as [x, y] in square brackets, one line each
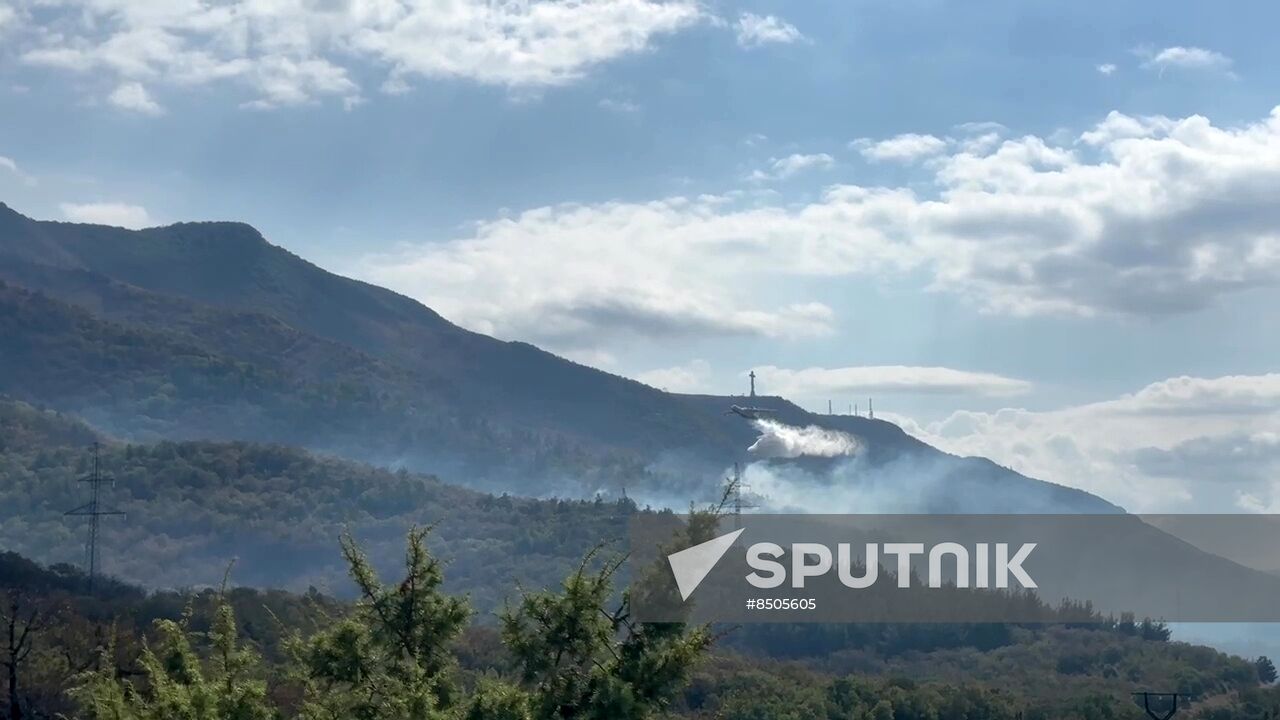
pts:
[94, 511]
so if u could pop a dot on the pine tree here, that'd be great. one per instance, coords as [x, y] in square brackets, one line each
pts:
[391, 659]
[178, 685]
[1266, 670]
[581, 660]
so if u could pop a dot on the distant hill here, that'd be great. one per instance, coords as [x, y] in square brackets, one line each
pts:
[207, 331]
[193, 507]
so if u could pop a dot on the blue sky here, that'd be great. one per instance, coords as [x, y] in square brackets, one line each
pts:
[1032, 231]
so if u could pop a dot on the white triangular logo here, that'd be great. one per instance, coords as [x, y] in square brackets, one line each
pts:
[691, 565]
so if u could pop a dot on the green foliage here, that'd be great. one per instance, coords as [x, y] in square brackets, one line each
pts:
[581, 661]
[392, 657]
[496, 700]
[193, 505]
[334, 646]
[179, 685]
[1266, 670]
[800, 697]
[156, 366]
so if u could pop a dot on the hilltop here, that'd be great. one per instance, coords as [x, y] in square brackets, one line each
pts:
[208, 331]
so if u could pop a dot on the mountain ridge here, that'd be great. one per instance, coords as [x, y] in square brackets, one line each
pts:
[369, 374]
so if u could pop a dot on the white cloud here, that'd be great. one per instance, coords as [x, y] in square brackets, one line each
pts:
[618, 105]
[1243, 461]
[1117, 126]
[1107, 68]
[537, 43]
[1229, 395]
[756, 30]
[907, 147]
[692, 377]
[593, 357]
[980, 144]
[981, 126]
[291, 53]
[1186, 58]
[1169, 216]
[133, 96]
[1198, 444]
[786, 167]
[12, 166]
[1145, 217]
[581, 274]
[817, 383]
[107, 213]
[978, 138]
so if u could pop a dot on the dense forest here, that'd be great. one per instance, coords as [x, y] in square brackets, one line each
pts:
[206, 331]
[276, 514]
[194, 506]
[405, 648]
[274, 433]
[218, 381]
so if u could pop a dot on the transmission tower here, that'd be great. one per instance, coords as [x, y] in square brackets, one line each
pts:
[94, 511]
[736, 486]
[1168, 712]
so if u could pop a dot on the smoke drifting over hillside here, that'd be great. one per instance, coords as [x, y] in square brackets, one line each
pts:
[812, 469]
[778, 440]
[842, 484]
[908, 484]
[849, 486]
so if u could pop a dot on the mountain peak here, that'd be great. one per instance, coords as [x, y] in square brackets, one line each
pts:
[213, 233]
[448, 399]
[8, 213]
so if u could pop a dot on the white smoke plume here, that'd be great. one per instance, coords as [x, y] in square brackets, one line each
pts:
[778, 440]
[849, 486]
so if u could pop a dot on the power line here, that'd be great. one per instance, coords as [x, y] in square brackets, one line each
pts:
[94, 511]
[736, 486]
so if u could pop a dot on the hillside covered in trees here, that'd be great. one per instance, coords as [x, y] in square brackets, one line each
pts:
[195, 508]
[253, 409]
[405, 648]
[206, 331]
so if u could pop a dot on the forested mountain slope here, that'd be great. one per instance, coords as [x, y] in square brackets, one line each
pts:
[207, 331]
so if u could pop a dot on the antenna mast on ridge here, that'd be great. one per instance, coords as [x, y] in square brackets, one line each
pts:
[93, 510]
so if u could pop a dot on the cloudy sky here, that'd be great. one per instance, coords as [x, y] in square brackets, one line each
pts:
[1047, 233]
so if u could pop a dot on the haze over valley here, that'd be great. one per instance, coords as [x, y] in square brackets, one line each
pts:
[345, 345]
